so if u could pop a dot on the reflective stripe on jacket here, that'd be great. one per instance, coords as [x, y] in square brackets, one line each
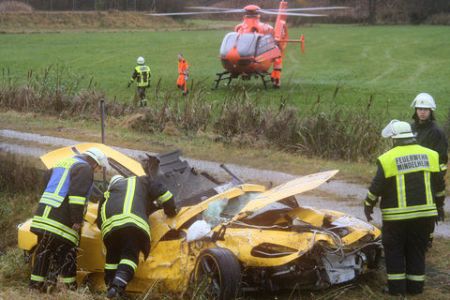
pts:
[43, 223]
[142, 76]
[128, 203]
[58, 185]
[407, 180]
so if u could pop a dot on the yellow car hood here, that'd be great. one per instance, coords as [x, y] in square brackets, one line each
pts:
[51, 158]
[285, 190]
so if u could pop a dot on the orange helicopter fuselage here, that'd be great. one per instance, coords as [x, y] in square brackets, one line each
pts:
[243, 54]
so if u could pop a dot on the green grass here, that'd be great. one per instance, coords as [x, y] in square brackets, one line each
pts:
[392, 63]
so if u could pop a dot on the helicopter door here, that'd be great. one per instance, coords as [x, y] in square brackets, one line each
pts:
[245, 43]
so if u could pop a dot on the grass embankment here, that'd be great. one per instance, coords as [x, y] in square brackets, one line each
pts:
[343, 89]
[388, 64]
[197, 146]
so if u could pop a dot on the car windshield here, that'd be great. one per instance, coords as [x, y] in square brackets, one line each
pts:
[223, 210]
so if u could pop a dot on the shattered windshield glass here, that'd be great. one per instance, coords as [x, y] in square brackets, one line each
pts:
[223, 210]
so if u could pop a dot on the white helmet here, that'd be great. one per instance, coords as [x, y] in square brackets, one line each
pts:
[99, 157]
[140, 60]
[397, 130]
[424, 100]
[115, 179]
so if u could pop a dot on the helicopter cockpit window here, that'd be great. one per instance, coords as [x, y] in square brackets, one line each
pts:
[265, 43]
[245, 43]
[228, 42]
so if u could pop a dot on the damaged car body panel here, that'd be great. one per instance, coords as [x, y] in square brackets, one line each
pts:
[264, 239]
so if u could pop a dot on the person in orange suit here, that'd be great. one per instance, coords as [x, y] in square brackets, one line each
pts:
[275, 76]
[183, 74]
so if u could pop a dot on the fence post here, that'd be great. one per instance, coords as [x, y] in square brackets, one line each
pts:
[102, 112]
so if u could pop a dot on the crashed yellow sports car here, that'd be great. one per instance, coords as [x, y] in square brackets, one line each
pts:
[231, 237]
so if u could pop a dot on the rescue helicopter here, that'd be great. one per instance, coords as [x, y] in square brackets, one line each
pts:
[254, 47]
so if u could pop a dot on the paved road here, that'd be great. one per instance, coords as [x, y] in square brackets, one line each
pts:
[336, 195]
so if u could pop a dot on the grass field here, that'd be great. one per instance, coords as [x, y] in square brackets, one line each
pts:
[390, 63]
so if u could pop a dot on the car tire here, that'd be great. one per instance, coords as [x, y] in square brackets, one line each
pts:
[217, 274]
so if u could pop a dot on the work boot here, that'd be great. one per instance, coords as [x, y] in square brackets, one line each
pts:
[115, 292]
[386, 291]
[143, 103]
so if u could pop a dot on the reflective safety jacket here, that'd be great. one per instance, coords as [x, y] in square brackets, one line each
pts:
[63, 201]
[183, 67]
[142, 76]
[407, 180]
[129, 202]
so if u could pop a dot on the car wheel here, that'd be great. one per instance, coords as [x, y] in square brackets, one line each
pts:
[217, 274]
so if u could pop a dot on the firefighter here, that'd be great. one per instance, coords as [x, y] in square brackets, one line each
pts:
[410, 184]
[142, 75]
[183, 74]
[428, 133]
[59, 217]
[123, 220]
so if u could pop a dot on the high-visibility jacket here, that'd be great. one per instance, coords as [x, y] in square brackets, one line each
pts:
[63, 202]
[142, 75]
[183, 67]
[407, 180]
[129, 202]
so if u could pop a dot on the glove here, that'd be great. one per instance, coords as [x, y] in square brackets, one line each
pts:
[77, 227]
[368, 211]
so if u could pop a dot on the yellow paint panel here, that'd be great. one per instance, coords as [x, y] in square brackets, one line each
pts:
[26, 239]
[308, 215]
[51, 158]
[290, 188]
[241, 241]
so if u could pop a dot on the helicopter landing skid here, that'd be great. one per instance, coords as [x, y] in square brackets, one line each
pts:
[220, 77]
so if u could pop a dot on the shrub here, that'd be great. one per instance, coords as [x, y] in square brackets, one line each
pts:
[333, 133]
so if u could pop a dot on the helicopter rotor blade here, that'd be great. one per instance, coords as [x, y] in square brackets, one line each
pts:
[209, 8]
[188, 13]
[268, 12]
[311, 8]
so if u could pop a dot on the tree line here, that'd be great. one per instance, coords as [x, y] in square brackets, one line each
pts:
[128, 5]
[371, 11]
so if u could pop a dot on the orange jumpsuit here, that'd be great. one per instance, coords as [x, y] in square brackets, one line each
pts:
[183, 69]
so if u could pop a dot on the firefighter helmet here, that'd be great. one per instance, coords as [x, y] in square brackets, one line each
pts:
[98, 156]
[397, 130]
[140, 60]
[114, 179]
[424, 100]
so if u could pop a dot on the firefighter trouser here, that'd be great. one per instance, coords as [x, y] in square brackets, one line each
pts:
[140, 92]
[405, 243]
[54, 257]
[122, 256]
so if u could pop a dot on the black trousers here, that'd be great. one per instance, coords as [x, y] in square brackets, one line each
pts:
[122, 256]
[405, 243]
[53, 257]
[140, 93]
